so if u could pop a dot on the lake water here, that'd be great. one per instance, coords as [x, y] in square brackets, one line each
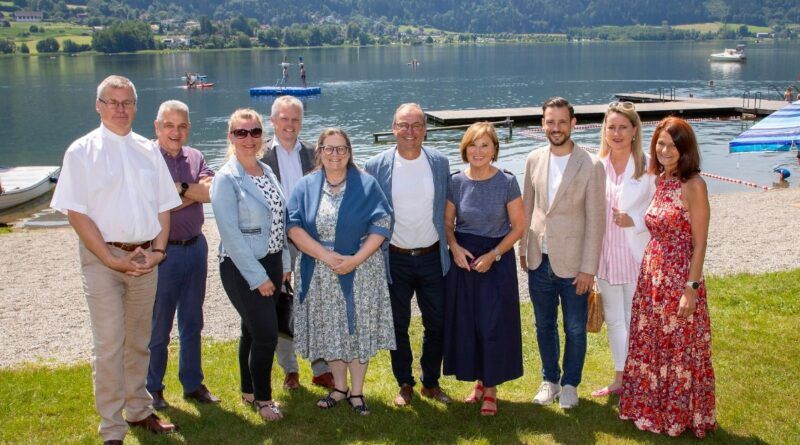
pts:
[45, 103]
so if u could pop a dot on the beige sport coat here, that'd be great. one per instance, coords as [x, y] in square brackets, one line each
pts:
[575, 223]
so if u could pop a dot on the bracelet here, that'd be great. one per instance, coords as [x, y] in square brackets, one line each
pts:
[162, 252]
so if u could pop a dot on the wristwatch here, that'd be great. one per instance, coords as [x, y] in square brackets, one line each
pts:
[497, 255]
[184, 187]
[693, 284]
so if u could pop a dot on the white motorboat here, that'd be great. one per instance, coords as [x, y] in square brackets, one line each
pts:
[730, 55]
[22, 184]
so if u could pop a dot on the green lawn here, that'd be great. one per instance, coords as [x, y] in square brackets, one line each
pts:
[715, 26]
[756, 352]
[18, 30]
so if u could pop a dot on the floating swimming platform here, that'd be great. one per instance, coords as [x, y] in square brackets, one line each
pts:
[282, 91]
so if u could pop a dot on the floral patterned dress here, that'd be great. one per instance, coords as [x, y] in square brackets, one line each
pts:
[320, 323]
[668, 383]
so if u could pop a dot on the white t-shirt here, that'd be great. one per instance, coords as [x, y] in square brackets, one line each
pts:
[412, 199]
[556, 168]
[121, 182]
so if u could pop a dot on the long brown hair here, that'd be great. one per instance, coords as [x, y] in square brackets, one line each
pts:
[685, 141]
[331, 132]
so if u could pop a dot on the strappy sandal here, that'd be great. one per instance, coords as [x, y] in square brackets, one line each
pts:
[329, 402]
[489, 411]
[476, 395]
[272, 410]
[362, 409]
[247, 401]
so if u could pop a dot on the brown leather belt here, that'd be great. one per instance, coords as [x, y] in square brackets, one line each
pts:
[415, 252]
[187, 242]
[128, 247]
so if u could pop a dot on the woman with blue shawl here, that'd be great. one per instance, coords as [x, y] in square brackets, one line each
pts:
[339, 219]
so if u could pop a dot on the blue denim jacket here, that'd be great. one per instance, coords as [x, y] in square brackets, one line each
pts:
[381, 165]
[244, 220]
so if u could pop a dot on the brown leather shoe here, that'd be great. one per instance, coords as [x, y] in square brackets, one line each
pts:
[155, 425]
[436, 394]
[292, 381]
[112, 442]
[159, 403]
[202, 395]
[404, 396]
[325, 380]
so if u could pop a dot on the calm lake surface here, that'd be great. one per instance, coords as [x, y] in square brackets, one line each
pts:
[46, 103]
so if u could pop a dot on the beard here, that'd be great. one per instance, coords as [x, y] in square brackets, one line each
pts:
[559, 140]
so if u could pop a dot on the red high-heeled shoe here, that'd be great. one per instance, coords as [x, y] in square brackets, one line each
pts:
[476, 395]
[489, 411]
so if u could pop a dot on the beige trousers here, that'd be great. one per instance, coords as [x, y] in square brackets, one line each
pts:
[121, 312]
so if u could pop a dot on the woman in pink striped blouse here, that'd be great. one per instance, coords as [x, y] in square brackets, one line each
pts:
[629, 190]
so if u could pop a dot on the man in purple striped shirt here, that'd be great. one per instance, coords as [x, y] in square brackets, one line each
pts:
[182, 276]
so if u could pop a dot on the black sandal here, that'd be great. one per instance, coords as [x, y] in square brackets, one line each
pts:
[362, 409]
[329, 402]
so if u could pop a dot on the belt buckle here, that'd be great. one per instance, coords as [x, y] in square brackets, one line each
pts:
[415, 252]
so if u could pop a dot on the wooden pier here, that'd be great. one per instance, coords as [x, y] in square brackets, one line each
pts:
[649, 107]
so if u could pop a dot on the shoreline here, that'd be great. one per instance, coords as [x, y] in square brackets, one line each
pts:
[44, 319]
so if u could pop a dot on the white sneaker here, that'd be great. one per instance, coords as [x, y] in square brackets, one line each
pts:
[568, 397]
[547, 393]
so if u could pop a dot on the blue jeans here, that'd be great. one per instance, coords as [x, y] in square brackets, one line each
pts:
[545, 290]
[181, 286]
[421, 275]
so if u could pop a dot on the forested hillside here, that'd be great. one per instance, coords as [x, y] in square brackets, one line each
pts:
[477, 16]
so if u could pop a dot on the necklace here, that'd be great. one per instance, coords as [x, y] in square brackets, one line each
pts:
[334, 185]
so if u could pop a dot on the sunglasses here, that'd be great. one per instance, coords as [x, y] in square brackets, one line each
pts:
[241, 133]
[627, 106]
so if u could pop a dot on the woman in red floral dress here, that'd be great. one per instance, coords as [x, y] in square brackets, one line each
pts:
[668, 383]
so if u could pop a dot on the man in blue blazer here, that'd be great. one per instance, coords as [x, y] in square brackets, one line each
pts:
[414, 179]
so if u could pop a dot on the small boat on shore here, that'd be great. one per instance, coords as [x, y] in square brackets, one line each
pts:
[22, 184]
[730, 55]
[282, 91]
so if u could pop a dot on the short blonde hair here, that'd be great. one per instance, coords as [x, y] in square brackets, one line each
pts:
[244, 114]
[475, 132]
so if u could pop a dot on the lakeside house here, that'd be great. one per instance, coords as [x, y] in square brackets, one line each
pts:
[28, 16]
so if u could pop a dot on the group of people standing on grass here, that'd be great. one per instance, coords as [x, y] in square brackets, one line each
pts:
[359, 243]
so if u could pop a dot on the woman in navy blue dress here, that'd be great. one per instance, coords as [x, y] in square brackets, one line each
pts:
[484, 217]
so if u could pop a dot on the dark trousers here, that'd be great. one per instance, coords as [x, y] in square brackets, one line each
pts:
[181, 287]
[421, 275]
[259, 324]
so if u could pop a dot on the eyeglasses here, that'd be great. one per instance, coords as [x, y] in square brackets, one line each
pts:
[127, 104]
[627, 106]
[339, 149]
[241, 133]
[405, 126]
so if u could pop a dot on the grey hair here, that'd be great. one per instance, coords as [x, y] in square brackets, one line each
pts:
[172, 105]
[115, 81]
[410, 105]
[286, 101]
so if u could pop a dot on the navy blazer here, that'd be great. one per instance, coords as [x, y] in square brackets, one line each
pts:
[244, 220]
[381, 165]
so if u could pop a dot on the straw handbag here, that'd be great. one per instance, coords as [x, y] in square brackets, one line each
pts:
[594, 322]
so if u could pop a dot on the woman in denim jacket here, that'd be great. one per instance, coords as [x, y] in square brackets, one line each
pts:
[250, 210]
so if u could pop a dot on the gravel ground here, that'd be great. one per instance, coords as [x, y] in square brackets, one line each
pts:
[43, 315]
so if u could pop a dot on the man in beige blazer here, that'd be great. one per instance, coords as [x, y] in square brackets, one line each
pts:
[564, 195]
